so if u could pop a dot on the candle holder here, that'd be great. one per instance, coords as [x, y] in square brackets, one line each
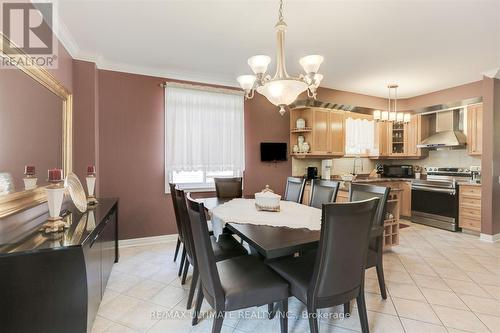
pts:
[30, 182]
[91, 178]
[55, 196]
[30, 178]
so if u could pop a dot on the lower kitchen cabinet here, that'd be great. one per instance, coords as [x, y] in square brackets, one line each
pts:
[469, 207]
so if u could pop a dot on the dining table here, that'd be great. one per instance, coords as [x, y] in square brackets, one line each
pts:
[270, 242]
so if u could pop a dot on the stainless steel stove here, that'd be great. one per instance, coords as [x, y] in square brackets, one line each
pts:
[434, 201]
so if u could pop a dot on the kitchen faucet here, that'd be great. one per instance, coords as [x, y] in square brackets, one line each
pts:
[356, 159]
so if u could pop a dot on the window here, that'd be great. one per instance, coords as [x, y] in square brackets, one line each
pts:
[204, 135]
[359, 136]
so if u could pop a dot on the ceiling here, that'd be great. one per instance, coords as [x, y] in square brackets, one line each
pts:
[423, 45]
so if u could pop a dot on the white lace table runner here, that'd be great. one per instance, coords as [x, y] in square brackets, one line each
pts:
[243, 211]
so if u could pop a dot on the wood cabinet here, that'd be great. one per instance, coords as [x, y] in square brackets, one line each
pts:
[324, 132]
[56, 284]
[469, 211]
[475, 129]
[416, 130]
[406, 199]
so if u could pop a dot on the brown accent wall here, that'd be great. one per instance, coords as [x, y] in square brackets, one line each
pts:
[345, 97]
[85, 118]
[131, 146]
[490, 160]
[469, 90]
[263, 123]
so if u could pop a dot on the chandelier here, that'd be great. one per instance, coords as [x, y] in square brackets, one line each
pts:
[392, 113]
[282, 89]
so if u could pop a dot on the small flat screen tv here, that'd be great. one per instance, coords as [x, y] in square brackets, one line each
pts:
[273, 151]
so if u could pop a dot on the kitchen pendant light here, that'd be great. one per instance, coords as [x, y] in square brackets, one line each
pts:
[282, 89]
[392, 113]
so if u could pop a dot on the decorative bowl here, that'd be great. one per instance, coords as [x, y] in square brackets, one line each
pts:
[76, 191]
[267, 200]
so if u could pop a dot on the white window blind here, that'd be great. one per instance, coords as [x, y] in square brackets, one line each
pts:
[204, 136]
[360, 136]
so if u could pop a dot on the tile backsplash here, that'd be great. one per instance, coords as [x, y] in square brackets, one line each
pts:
[437, 158]
[443, 158]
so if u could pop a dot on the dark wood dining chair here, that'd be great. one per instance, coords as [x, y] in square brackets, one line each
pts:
[180, 238]
[235, 283]
[294, 189]
[335, 275]
[374, 258]
[225, 247]
[323, 191]
[229, 188]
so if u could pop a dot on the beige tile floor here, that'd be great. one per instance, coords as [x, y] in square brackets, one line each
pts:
[437, 281]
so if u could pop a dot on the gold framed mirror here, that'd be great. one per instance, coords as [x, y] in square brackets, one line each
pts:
[15, 201]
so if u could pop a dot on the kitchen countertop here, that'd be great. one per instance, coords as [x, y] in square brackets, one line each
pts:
[468, 184]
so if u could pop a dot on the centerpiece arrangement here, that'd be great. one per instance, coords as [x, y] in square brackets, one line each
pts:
[267, 200]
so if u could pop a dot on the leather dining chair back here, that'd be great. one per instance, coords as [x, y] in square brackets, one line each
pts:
[180, 200]
[340, 262]
[204, 253]
[360, 192]
[323, 191]
[180, 239]
[229, 187]
[376, 244]
[294, 189]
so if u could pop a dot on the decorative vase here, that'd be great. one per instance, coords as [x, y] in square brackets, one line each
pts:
[29, 183]
[90, 220]
[90, 189]
[55, 196]
[295, 149]
[301, 123]
[300, 142]
[305, 147]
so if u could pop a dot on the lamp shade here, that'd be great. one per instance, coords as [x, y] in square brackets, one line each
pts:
[259, 63]
[384, 116]
[311, 63]
[282, 92]
[392, 116]
[400, 116]
[246, 81]
[407, 118]
[377, 115]
[317, 80]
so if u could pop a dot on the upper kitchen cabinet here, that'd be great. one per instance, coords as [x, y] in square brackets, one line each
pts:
[475, 129]
[323, 132]
[416, 130]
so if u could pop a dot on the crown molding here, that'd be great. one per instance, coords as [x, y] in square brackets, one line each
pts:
[492, 73]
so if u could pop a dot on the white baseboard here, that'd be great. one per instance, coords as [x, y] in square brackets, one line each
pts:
[490, 238]
[148, 240]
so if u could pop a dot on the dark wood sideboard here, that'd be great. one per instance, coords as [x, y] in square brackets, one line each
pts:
[54, 283]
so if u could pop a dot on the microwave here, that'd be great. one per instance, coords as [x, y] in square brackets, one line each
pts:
[398, 171]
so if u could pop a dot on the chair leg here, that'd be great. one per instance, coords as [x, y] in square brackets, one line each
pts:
[347, 308]
[270, 310]
[363, 317]
[313, 320]
[177, 248]
[192, 288]
[197, 307]
[284, 316]
[218, 320]
[184, 274]
[183, 258]
[381, 279]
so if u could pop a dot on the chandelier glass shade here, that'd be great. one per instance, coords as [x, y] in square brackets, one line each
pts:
[392, 113]
[282, 89]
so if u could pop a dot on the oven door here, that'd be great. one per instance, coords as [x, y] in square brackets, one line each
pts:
[435, 206]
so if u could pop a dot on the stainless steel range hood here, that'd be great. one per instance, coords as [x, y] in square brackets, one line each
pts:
[448, 131]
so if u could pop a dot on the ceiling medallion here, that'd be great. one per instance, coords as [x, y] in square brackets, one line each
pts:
[392, 113]
[282, 89]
